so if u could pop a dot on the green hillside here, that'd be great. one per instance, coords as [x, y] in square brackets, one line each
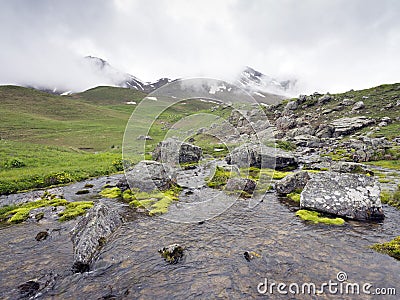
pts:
[79, 136]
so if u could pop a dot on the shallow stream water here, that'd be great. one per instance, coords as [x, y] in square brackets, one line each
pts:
[213, 266]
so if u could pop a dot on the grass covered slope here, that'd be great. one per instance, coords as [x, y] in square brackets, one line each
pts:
[49, 139]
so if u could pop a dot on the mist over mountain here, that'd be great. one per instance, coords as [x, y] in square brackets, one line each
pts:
[97, 71]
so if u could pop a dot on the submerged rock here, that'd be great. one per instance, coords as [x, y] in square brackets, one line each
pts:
[353, 196]
[89, 235]
[172, 253]
[42, 236]
[261, 156]
[174, 151]
[28, 288]
[292, 182]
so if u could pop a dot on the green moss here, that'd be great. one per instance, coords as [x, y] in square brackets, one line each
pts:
[157, 202]
[391, 248]
[295, 196]
[255, 173]
[21, 212]
[74, 209]
[220, 178]
[316, 217]
[285, 145]
[111, 193]
[384, 180]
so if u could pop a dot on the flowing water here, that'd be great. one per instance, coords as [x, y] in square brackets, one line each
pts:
[130, 267]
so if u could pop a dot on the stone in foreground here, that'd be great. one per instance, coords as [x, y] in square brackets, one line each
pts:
[174, 151]
[352, 196]
[89, 235]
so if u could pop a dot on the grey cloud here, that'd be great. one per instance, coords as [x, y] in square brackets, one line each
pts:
[326, 45]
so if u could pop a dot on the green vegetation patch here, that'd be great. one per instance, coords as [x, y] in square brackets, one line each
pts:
[391, 248]
[388, 164]
[156, 202]
[391, 198]
[19, 213]
[294, 196]
[255, 173]
[316, 217]
[220, 178]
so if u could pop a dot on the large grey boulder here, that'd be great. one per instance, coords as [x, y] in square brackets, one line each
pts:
[261, 156]
[292, 182]
[353, 196]
[174, 151]
[91, 232]
[149, 175]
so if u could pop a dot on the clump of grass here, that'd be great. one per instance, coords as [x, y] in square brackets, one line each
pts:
[111, 193]
[315, 217]
[391, 248]
[255, 173]
[388, 164]
[392, 199]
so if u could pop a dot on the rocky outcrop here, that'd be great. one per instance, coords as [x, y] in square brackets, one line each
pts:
[292, 182]
[346, 126]
[149, 175]
[352, 196]
[261, 156]
[91, 232]
[174, 151]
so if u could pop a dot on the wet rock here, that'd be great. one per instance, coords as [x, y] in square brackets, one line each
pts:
[41, 236]
[358, 105]
[149, 175]
[352, 196]
[174, 151]
[240, 184]
[28, 288]
[92, 230]
[172, 253]
[250, 255]
[292, 182]
[261, 156]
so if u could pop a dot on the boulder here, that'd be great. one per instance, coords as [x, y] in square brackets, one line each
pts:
[347, 102]
[292, 105]
[346, 126]
[174, 151]
[324, 99]
[285, 122]
[292, 182]
[149, 175]
[358, 105]
[172, 253]
[261, 156]
[353, 196]
[240, 184]
[91, 232]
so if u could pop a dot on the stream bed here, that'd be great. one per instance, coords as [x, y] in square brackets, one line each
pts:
[287, 250]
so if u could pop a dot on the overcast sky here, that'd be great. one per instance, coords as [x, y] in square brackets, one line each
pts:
[328, 45]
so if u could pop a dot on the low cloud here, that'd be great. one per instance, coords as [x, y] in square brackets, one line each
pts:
[327, 46]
